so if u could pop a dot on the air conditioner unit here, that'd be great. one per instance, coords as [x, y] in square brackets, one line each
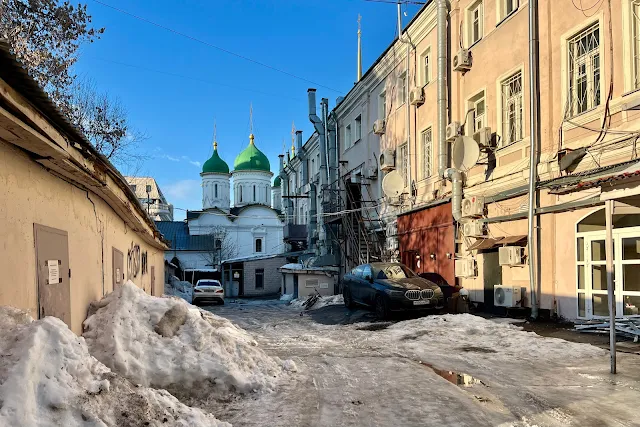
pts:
[507, 296]
[473, 229]
[511, 255]
[484, 137]
[388, 160]
[453, 131]
[465, 267]
[472, 207]
[462, 61]
[416, 96]
[378, 127]
[371, 172]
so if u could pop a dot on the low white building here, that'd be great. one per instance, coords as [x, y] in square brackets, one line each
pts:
[220, 231]
[301, 281]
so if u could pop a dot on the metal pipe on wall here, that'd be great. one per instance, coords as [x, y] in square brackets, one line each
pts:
[534, 137]
[320, 129]
[441, 14]
[406, 97]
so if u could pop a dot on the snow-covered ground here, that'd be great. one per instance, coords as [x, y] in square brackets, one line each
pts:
[167, 343]
[48, 378]
[321, 302]
[179, 288]
[450, 370]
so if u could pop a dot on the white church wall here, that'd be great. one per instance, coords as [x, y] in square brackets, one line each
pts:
[216, 191]
[252, 187]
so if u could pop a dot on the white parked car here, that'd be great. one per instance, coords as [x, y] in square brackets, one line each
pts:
[208, 290]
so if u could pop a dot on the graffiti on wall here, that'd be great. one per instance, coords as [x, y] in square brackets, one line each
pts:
[137, 261]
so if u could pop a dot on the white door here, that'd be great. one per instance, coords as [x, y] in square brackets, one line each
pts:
[627, 269]
[592, 292]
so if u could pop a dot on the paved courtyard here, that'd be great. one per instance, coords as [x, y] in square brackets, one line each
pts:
[452, 370]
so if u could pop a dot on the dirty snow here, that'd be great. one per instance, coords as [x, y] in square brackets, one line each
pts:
[178, 288]
[298, 303]
[48, 378]
[404, 373]
[167, 343]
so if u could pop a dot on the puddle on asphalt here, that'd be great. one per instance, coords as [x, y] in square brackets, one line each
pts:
[459, 379]
[472, 349]
[378, 326]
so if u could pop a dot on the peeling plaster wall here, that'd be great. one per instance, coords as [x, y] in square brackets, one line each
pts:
[30, 195]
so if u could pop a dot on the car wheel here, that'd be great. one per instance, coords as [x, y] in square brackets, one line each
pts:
[382, 308]
[221, 302]
[195, 302]
[348, 301]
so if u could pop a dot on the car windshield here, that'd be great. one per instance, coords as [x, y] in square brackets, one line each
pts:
[394, 271]
[208, 283]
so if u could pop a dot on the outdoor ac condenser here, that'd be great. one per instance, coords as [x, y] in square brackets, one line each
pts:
[465, 267]
[507, 296]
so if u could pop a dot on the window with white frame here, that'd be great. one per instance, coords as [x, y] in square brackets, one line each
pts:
[478, 116]
[347, 136]
[426, 70]
[475, 18]
[512, 109]
[507, 7]
[401, 88]
[427, 152]
[635, 42]
[404, 163]
[358, 128]
[258, 243]
[584, 70]
[382, 106]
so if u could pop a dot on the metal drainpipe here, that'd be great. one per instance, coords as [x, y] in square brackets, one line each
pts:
[441, 13]
[534, 103]
[328, 150]
[312, 217]
[406, 97]
[319, 126]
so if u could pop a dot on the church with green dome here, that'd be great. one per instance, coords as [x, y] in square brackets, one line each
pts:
[250, 226]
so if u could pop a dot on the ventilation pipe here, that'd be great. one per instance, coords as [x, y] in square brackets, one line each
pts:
[303, 158]
[320, 129]
[534, 132]
[332, 126]
[281, 160]
[313, 222]
[330, 149]
[443, 158]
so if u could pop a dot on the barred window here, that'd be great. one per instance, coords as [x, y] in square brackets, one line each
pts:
[427, 153]
[584, 70]
[512, 109]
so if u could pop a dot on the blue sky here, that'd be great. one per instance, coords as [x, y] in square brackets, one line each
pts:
[174, 87]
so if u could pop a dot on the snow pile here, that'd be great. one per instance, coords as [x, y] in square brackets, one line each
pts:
[468, 334]
[167, 343]
[179, 289]
[321, 302]
[48, 378]
[286, 297]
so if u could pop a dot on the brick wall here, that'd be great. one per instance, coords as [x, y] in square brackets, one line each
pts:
[272, 277]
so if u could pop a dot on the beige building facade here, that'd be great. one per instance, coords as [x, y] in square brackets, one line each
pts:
[71, 229]
[589, 81]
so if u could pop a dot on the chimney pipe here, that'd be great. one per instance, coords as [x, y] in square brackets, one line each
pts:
[281, 160]
[359, 49]
[320, 128]
[313, 221]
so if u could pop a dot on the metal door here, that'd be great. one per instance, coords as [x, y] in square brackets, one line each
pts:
[295, 286]
[153, 280]
[53, 274]
[492, 275]
[117, 266]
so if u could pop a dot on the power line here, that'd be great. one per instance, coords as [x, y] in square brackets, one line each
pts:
[193, 78]
[140, 18]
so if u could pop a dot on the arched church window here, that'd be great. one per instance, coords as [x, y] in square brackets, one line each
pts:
[254, 192]
[258, 245]
[240, 193]
[218, 244]
[216, 190]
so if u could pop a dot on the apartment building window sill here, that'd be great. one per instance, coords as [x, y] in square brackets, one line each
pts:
[472, 45]
[401, 105]
[587, 116]
[356, 141]
[506, 18]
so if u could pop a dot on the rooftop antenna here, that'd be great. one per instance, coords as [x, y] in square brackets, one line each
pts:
[359, 47]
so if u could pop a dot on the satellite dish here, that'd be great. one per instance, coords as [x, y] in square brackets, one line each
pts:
[393, 184]
[465, 153]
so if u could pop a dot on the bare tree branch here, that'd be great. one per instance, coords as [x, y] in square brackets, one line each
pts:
[220, 246]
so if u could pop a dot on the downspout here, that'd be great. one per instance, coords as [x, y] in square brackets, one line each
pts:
[328, 150]
[443, 160]
[406, 98]
[319, 127]
[322, 138]
[534, 132]
[455, 176]
[313, 222]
